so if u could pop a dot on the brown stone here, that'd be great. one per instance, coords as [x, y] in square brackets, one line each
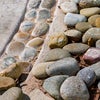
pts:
[97, 22]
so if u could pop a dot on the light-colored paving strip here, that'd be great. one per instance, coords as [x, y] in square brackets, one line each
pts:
[10, 18]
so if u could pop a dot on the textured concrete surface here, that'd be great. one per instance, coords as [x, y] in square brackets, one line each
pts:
[11, 14]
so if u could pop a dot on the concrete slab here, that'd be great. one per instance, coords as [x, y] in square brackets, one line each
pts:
[11, 14]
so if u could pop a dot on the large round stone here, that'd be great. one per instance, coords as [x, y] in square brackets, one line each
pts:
[52, 85]
[67, 66]
[74, 88]
[76, 48]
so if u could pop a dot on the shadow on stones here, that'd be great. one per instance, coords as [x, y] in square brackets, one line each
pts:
[26, 97]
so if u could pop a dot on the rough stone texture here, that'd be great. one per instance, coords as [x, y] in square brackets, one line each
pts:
[52, 85]
[97, 22]
[10, 18]
[98, 44]
[74, 88]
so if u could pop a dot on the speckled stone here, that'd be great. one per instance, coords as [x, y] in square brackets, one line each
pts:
[40, 29]
[52, 85]
[97, 22]
[56, 54]
[57, 40]
[98, 44]
[74, 88]
[67, 66]
[76, 48]
[87, 75]
[71, 19]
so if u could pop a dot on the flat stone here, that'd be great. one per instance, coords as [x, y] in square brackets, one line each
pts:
[72, 19]
[98, 85]
[40, 29]
[39, 71]
[15, 48]
[74, 88]
[92, 55]
[98, 44]
[33, 4]
[89, 3]
[69, 7]
[58, 40]
[31, 14]
[15, 70]
[93, 33]
[87, 75]
[43, 14]
[37, 94]
[73, 34]
[76, 48]
[97, 22]
[13, 93]
[35, 42]
[52, 85]
[28, 54]
[6, 83]
[90, 11]
[67, 66]
[92, 19]
[21, 37]
[26, 26]
[56, 54]
[48, 3]
[83, 26]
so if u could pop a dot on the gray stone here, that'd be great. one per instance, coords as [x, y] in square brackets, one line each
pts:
[40, 29]
[87, 75]
[28, 54]
[69, 7]
[55, 54]
[26, 26]
[99, 85]
[71, 19]
[98, 44]
[73, 34]
[76, 1]
[67, 66]
[52, 85]
[92, 33]
[33, 4]
[43, 14]
[13, 93]
[48, 3]
[74, 88]
[76, 48]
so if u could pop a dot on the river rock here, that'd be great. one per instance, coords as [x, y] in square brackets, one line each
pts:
[87, 75]
[57, 40]
[56, 54]
[97, 22]
[31, 14]
[71, 19]
[74, 88]
[93, 33]
[76, 48]
[28, 53]
[43, 14]
[67, 66]
[98, 43]
[90, 11]
[39, 71]
[92, 55]
[15, 48]
[48, 3]
[35, 42]
[89, 3]
[13, 93]
[52, 85]
[92, 19]
[83, 26]
[6, 83]
[40, 29]
[73, 34]
[26, 26]
[99, 85]
[69, 7]
[15, 70]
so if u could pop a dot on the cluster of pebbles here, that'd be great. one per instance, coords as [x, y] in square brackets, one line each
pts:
[71, 65]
